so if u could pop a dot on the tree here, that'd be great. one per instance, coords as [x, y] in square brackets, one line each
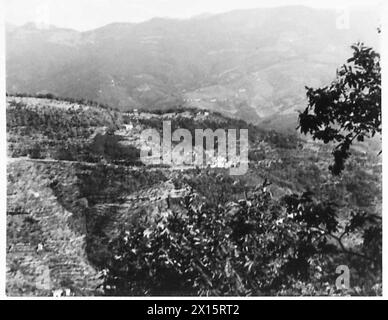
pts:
[255, 246]
[349, 108]
[36, 152]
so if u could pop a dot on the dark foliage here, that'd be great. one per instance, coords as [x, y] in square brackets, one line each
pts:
[349, 108]
[255, 246]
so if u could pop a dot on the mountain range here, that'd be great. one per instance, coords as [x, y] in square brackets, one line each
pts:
[250, 64]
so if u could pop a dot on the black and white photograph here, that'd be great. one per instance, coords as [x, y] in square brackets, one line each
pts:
[174, 148]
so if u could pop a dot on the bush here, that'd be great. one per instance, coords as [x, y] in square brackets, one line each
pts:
[65, 153]
[35, 152]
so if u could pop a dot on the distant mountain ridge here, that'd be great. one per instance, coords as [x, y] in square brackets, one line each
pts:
[249, 64]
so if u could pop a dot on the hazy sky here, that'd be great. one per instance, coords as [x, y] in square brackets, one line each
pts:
[89, 14]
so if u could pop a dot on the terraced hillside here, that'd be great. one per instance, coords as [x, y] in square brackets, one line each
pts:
[75, 180]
